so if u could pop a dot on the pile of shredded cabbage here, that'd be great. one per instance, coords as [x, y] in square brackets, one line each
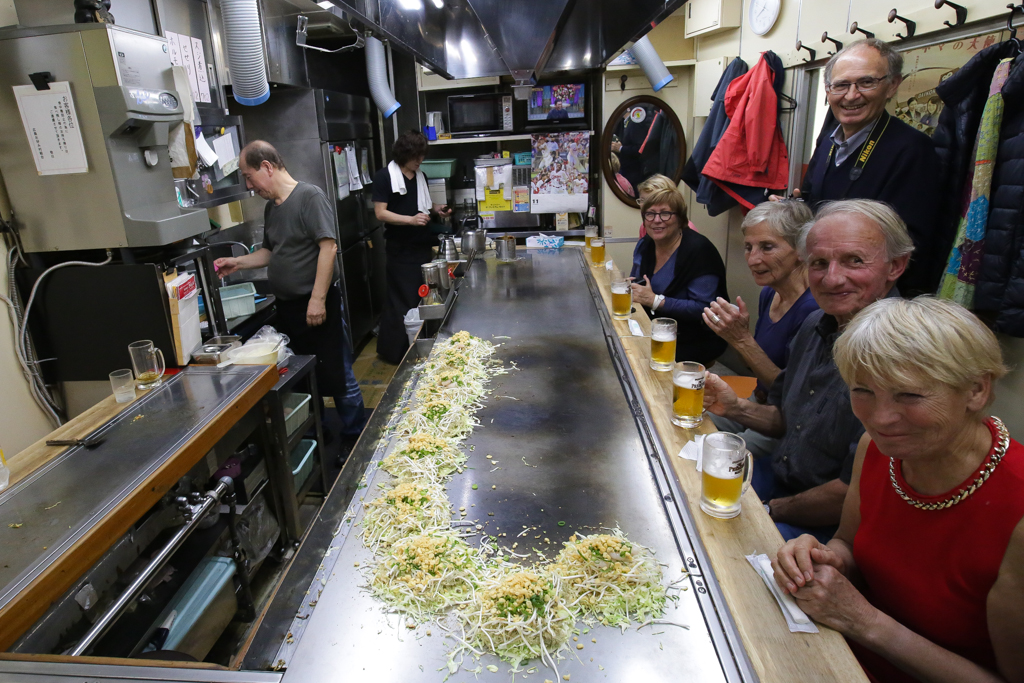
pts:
[607, 577]
[518, 615]
[426, 575]
[405, 509]
[424, 457]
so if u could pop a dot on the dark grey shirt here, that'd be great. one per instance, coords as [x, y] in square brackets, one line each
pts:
[821, 430]
[292, 231]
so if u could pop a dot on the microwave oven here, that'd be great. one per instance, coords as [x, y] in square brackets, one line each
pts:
[475, 114]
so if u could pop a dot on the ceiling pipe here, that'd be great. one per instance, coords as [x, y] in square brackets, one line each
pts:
[377, 75]
[651, 63]
[243, 43]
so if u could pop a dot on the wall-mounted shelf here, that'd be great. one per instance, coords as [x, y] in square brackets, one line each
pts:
[493, 138]
[636, 67]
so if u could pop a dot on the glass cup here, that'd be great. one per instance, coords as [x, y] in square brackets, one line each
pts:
[622, 297]
[148, 362]
[687, 394]
[597, 251]
[726, 468]
[123, 384]
[663, 344]
[589, 232]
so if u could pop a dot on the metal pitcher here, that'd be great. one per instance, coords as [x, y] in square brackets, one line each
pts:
[506, 248]
[448, 250]
[443, 277]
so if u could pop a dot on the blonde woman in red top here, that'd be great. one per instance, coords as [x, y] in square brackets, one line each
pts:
[925, 576]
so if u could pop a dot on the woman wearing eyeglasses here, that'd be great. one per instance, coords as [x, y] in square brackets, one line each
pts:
[676, 273]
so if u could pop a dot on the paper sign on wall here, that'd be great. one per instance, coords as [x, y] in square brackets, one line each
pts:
[199, 57]
[184, 55]
[51, 125]
[353, 169]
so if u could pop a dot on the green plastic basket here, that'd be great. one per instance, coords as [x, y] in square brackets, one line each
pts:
[438, 168]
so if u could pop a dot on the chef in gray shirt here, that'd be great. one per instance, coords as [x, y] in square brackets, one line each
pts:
[855, 251]
[299, 251]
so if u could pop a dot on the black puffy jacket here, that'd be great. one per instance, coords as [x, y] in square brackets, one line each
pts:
[999, 294]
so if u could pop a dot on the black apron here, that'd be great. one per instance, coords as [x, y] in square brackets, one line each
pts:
[403, 282]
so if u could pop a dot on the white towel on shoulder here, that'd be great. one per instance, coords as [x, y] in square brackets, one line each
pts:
[423, 203]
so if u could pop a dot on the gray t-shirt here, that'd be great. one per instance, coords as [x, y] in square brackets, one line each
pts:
[292, 231]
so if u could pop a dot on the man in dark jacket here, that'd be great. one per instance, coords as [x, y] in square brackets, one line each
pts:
[872, 155]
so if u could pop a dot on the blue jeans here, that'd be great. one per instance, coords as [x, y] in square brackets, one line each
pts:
[763, 481]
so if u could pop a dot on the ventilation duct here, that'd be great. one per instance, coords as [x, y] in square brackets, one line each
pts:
[651, 63]
[243, 43]
[377, 75]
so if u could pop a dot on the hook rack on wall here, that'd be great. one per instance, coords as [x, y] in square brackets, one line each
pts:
[811, 51]
[911, 25]
[855, 29]
[961, 12]
[825, 37]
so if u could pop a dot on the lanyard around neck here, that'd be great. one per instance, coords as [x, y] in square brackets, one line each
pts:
[866, 150]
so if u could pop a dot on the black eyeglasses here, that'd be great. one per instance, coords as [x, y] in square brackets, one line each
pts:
[663, 216]
[862, 85]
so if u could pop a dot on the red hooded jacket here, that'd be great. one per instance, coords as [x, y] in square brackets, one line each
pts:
[752, 151]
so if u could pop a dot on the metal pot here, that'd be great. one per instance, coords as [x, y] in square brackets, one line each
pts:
[448, 250]
[444, 280]
[506, 248]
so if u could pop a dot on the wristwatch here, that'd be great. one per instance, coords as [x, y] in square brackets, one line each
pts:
[658, 298]
[768, 508]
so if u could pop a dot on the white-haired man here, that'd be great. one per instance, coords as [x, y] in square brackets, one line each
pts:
[855, 251]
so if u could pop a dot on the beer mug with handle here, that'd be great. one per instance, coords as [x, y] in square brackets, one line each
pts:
[148, 362]
[726, 466]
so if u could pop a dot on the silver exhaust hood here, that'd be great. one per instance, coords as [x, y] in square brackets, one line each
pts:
[524, 39]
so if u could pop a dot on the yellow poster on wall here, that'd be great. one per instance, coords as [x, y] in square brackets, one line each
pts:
[494, 200]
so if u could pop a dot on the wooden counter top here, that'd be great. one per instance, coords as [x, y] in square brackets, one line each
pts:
[776, 654]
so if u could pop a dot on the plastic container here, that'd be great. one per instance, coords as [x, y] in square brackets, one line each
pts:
[301, 461]
[204, 606]
[260, 353]
[438, 168]
[296, 411]
[412, 325]
[238, 300]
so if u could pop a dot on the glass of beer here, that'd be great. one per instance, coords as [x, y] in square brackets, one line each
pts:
[589, 233]
[622, 297]
[726, 468]
[148, 362]
[663, 344]
[597, 251]
[687, 394]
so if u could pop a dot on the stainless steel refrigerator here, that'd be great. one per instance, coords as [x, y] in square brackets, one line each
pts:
[313, 129]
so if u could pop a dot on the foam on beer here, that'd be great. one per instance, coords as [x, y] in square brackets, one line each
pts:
[662, 336]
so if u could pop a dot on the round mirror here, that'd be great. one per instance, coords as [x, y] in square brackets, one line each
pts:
[643, 137]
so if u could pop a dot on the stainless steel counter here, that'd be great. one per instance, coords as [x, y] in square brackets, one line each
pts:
[50, 510]
[570, 443]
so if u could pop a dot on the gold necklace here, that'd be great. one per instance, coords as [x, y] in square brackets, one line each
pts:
[963, 494]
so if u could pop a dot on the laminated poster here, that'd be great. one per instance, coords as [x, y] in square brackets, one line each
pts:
[341, 172]
[364, 166]
[353, 169]
[51, 125]
[559, 177]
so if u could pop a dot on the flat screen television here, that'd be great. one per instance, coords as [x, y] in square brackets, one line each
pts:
[556, 103]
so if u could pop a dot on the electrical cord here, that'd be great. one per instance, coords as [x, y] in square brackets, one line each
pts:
[22, 344]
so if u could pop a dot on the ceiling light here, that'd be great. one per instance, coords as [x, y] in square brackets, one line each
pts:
[438, 4]
[325, 5]
[410, 4]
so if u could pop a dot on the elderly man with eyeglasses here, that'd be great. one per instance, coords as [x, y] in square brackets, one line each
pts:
[873, 155]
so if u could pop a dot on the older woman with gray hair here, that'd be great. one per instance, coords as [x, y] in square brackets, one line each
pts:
[925, 575]
[771, 232]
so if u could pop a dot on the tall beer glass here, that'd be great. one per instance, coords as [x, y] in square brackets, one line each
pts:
[726, 468]
[687, 394]
[622, 297]
[589, 233]
[597, 251]
[663, 344]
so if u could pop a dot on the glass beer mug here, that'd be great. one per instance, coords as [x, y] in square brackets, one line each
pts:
[663, 344]
[726, 468]
[687, 394]
[589, 233]
[148, 362]
[622, 297]
[597, 251]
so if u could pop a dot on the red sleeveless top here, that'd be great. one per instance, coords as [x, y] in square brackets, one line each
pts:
[932, 570]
